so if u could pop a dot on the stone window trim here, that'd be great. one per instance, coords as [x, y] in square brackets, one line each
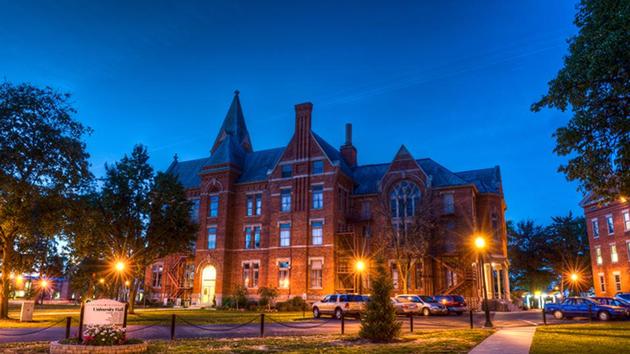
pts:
[322, 220]
[626, 222]
[310, 262]
[282, 222]
[614, 256]
[252, 225]
[283, 259]
[252, 262]
[617, 276]
[602, 282]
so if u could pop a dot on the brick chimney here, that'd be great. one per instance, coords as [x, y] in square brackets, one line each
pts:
[303, 129]
[348, 151]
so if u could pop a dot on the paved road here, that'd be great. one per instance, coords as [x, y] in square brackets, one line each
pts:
[306, 327]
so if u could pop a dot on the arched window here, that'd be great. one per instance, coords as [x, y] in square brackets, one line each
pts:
[404, 198]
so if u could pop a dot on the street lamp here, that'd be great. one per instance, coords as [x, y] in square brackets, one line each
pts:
[120, 266]
[43, 285]
[575, 278]
[360, 267]
[480, 245]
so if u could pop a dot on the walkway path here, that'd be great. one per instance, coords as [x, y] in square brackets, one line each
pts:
[516, 340]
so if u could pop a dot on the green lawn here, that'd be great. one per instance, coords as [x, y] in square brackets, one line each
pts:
[433, 341]
[608, 337]
[47, 315]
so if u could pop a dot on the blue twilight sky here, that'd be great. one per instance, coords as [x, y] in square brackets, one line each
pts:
[452, 80]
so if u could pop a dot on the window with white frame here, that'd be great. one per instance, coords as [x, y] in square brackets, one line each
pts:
[598, 255]
[283, 274]
[404, 198]
[602, 282]
[595, 226]
[212, 237]
[256, 236]
[317, 232]
[626, 219]
[248, 237]
[610, 224]
[254, 204]
[614, 257]
[251, 274]
[285, 234]
[628, 248]
[617, 279]
[317, 197]
[213, 209]
[194, 210]
[449, 203]
[252, 237]
[156, 275]
[285, 200]
[316, 273]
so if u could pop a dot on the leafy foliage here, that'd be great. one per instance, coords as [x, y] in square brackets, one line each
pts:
[379, 323]
[267, 296]
[595, 84]
[43, 167]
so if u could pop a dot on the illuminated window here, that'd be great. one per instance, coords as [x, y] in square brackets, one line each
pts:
[248, 237]
[316, 273]
[156, 275]
[285, 235]
[598, 255]
[283, 274]
[626, 219]
[251, 274]
[614, 257]
[318, 197]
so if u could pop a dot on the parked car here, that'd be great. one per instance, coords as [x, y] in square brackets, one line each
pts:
[426, 304]
[339, 305]
[583, 307]
[404, 306]
[454, 303]
[611, 301]
[623, 296]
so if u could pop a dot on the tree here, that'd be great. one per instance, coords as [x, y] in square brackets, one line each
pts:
[43, 167]
[595, 84]
[567, 249]
[526, 249]
[146, 217]
[379, 323]
[405, 235]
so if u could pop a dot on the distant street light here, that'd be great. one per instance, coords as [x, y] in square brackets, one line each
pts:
[120, 266]
[480, 245]
[359, 266]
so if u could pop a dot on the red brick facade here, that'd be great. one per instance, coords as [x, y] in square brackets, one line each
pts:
[608, 227]
[306, 167]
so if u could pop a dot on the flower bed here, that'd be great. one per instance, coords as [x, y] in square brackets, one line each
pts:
[100, 339]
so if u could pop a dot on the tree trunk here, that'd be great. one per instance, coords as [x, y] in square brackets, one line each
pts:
[4, 291]
[133, 291]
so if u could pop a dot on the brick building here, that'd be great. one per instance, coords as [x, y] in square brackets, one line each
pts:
[297, 217]
[608, 227]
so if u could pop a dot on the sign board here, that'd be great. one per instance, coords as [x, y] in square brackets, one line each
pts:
[26, 315]
[104, 312]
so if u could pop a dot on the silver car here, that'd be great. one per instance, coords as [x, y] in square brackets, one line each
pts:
[427, 305]
[404, 306]
[339, 305]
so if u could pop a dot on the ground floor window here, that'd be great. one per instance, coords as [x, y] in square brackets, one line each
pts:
[283, 274]
[156, 275]
[251, 272]
[617, 277]
[394, 275]
[316, 273]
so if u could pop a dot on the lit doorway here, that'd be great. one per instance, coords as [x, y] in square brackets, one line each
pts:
[208, 285]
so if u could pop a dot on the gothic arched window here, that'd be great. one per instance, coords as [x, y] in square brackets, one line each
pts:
[404, 198]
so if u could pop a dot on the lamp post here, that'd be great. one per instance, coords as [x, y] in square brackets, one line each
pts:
[574, 280]
[43, 285]
[480, 245]
[360, 267]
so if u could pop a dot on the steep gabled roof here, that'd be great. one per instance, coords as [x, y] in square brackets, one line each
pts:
[187, 172]
[228, 151]
[234, 126]
[257, 164]
[333, 155]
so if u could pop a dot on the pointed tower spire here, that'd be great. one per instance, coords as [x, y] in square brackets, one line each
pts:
[234, 126]
[403, 154]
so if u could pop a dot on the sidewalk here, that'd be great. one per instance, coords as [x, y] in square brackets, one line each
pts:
[513, 340]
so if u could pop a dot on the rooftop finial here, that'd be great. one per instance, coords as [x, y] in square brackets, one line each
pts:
[236, 92]
[175, 157]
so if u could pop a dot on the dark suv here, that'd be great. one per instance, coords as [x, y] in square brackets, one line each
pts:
[454, 303]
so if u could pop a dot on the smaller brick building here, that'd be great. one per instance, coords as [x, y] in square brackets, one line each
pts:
[297, 218]
[608, 227]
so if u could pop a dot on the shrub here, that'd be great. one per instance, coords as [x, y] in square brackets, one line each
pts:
[267, 296]
[295, 304]
[379, 323]
[104, 335]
